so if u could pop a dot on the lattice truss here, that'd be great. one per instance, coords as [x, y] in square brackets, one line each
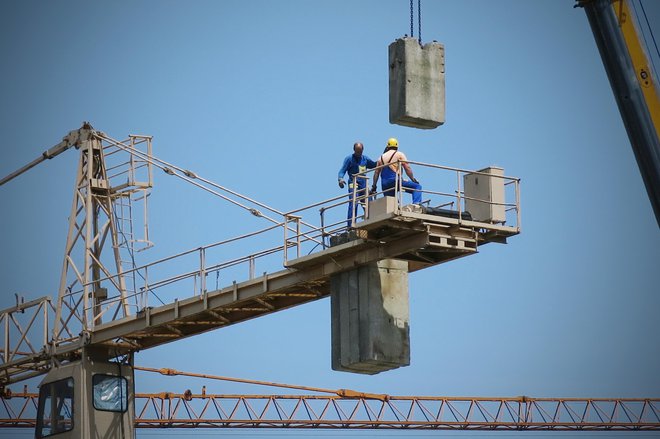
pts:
[394, 412]
[110, 186]
[189, 410]
[25, 329]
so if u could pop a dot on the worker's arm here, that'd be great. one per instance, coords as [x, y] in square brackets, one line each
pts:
[409, 173]
[407, 168]
[376, 176]
[342, 171]
[370, 163]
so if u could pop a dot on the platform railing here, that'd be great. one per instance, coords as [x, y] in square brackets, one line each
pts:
[456, 196]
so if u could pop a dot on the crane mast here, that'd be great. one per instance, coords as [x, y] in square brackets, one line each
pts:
[108, 187]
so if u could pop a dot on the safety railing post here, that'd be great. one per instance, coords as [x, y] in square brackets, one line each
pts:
[458, 196]
[6, 341]
[149, 163]
[458, 193]
[322, 212]
[297, 237]
[131, 162]
[517, 186]
[367, 199]
[398, 185]
[354, 203]
[286, 240]
[145, 291]
[251, 267]
[202, 270]
[45, 328]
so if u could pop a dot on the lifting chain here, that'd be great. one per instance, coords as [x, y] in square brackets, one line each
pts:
[412, 34]
[419, 20]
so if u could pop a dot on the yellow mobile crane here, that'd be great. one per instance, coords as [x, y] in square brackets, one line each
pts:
[633, 82]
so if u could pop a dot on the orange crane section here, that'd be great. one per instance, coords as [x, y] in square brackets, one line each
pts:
[188, 410]
[345, 408]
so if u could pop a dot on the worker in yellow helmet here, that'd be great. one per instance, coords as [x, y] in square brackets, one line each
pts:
[392, 157]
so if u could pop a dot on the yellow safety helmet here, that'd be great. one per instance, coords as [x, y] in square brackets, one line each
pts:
[392, 143]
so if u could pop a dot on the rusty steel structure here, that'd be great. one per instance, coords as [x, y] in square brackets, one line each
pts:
[188, 410]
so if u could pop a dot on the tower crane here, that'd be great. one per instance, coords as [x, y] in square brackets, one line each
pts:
[104, 313]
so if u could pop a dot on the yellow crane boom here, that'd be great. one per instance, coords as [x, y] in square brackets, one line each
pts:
[634, 85]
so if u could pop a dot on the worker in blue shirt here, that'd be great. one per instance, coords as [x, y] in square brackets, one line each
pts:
[353, 164]
[392, 157]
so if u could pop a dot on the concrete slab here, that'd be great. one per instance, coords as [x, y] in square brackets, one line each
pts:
[417, 83]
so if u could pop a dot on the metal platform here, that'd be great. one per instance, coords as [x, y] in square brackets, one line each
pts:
[422, 240]
[388, 229]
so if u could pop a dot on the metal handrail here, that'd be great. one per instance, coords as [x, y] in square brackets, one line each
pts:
[459, 194]
[188, 252]
[194, 274]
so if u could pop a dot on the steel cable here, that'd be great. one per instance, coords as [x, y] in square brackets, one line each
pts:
[419, 21]
[412, 34]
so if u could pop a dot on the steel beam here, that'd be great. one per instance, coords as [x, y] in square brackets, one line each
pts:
[188, 410]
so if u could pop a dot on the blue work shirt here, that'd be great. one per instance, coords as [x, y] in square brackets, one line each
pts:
[353, 165]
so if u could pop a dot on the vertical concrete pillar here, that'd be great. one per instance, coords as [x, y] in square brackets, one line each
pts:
[417, 83]
[370, 316]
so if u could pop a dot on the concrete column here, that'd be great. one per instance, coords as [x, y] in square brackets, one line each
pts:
[370, 316]
[417, 83]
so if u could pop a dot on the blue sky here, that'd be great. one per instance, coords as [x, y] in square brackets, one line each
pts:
[267, 97]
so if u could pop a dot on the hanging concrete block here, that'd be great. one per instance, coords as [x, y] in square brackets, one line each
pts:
[370, 316]
[417, 83]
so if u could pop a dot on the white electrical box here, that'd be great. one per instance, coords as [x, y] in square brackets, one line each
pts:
[484, 195]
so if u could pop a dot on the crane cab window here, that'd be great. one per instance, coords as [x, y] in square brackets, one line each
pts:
[110, 393]
[55, 411]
